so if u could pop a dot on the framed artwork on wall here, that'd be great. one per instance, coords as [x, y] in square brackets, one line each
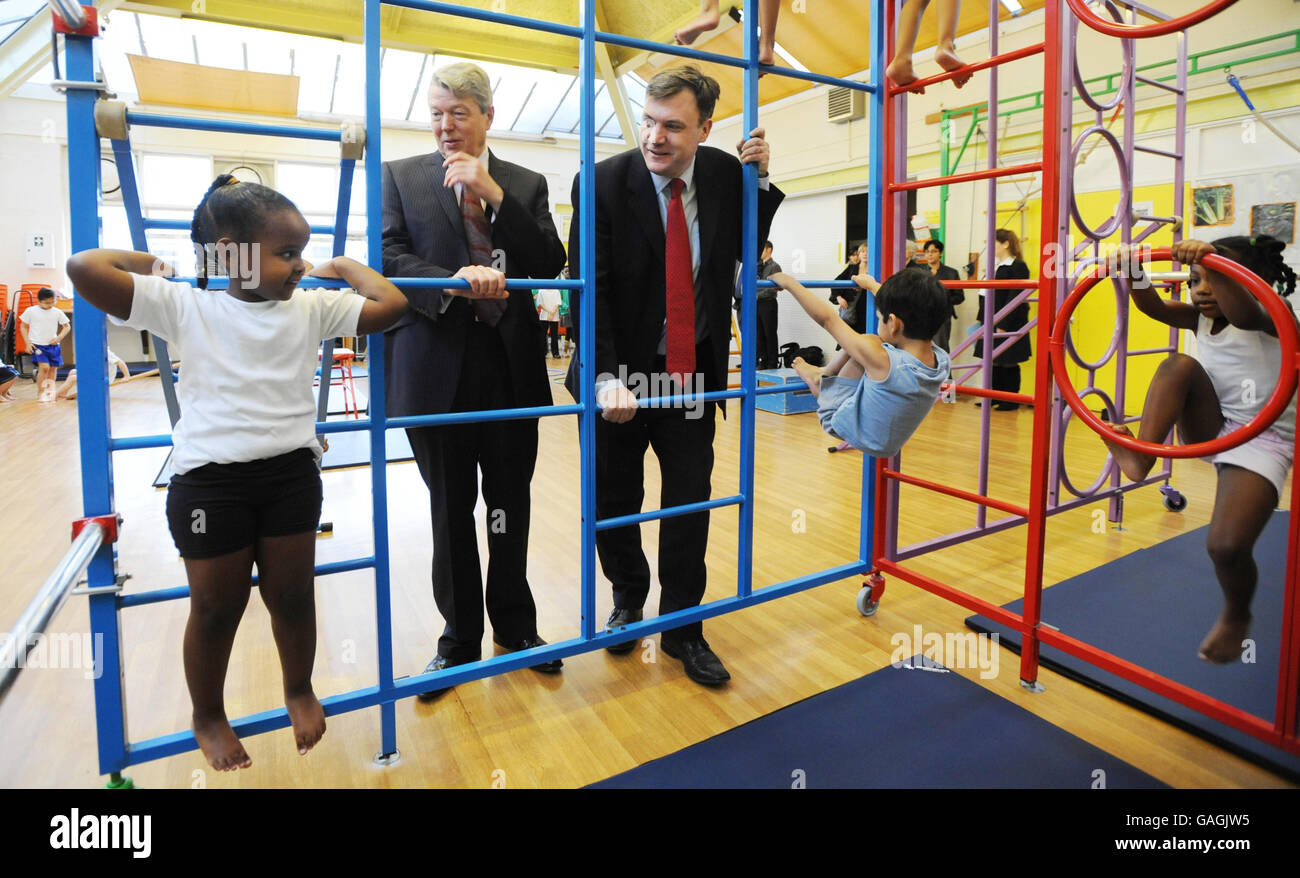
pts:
[1276, 219]
[1212, 206]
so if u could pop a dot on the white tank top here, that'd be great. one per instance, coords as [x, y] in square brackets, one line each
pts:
[1243, 365]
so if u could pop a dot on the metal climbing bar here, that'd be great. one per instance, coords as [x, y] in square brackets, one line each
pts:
[194, 123]
[995, 61]
[988, 174]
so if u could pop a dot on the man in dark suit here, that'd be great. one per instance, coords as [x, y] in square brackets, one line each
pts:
[462, 212]
[668, 239]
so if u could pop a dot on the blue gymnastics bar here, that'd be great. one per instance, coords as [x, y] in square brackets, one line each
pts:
[193, 123]
[97, 443]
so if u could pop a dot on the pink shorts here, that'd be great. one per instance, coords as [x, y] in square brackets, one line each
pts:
[1269, 454]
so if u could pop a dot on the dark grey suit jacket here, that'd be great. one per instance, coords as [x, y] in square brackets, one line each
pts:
[424, 236]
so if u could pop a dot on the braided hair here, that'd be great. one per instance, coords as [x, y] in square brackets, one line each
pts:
[1262, 254]
[234, 209]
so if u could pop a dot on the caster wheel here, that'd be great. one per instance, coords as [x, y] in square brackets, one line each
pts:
[1175, 502]
[867, 606]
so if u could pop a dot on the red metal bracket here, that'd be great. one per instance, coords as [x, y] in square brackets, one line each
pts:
[90, 29]
[110, 524]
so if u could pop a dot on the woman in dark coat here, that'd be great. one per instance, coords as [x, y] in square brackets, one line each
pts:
[934, 259]
[1006, 366]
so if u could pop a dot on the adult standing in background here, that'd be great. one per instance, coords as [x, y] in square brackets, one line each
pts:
[548, 311]
[934, 259]
[1006, 365]
[668, 236]
[847, 299]
[767, 316]
[462, 212]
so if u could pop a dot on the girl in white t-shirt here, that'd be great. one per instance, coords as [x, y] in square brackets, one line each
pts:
[1226, 384]
[247, 487]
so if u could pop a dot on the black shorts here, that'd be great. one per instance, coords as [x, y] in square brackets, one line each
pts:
[221, 508]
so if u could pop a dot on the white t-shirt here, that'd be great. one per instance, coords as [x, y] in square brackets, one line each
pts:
[246, 379]
[549, 302]
[1243, 365]
[43, 324]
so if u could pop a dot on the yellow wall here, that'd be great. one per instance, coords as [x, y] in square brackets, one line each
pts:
[1094, 320]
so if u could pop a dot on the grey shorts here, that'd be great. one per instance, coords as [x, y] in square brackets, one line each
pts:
[833, 393]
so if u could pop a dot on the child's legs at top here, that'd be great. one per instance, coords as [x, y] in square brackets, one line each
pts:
[909, 22]
[1243, 504]
[219, 589]
[1181, 394]
[767, 13]
[707, 20]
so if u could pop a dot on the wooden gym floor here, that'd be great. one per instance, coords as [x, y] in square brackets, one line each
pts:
[604, 714]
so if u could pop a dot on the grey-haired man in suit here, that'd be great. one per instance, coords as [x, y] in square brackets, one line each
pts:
[462, 212]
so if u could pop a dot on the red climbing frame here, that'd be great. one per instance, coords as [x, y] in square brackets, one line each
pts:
[1281, 731]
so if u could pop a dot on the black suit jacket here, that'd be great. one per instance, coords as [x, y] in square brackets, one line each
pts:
[424, 236]
[630, 298]
[1021, 349]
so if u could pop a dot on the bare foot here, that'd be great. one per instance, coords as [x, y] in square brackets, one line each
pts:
[219, 744]
[1224, 642]
[1133, 464]
[900, 72]
[948, 60]
[308, 719]
[766, 51]
[705, 21]
[47, 390]
[811, 375]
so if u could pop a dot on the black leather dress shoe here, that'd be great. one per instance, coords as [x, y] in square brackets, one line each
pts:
[551, 667]
[699, 662]
[617, 619]
[438, 663]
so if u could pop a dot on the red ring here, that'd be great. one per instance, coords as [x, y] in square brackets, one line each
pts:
[1157, 29]
[1288, 338]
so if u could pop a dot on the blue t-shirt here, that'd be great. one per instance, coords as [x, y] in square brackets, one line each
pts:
[878, 417]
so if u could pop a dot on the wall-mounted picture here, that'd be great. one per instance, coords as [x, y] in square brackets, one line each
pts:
[1212, 206]
[1277, 220]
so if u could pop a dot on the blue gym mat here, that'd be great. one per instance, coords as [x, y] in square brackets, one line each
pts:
[898, 727]
[1153, 607]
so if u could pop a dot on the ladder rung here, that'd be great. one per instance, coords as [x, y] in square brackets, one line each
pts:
[965, 178]
[1026, 52]
[1158, 84]
[1176, 156]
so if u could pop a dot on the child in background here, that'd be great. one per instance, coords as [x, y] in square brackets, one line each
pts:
[8, 375]
[115, 364]
[945, 55]
[1233, 374]
[708, 19]
[43, 328]
[876, 392]
[247, 486]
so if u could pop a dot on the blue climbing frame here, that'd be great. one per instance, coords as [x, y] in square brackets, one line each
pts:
[97, 443]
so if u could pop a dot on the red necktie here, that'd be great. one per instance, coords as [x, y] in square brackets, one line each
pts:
[679, 291]
[478, 236]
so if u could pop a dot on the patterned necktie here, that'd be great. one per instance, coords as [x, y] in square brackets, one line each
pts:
[679, 291]
[478, 235]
